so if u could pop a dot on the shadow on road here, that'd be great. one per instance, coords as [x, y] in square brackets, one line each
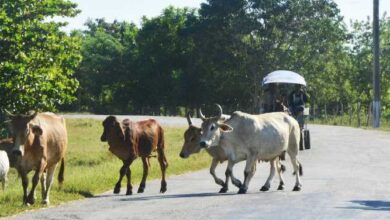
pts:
[188, 195]
[375, 205]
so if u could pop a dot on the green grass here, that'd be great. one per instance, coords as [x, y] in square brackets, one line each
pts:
[91, 169]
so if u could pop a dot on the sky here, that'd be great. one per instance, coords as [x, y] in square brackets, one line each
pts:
[133, 10]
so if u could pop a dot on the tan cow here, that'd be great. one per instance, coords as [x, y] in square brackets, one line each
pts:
[254, 137]
[40, 141]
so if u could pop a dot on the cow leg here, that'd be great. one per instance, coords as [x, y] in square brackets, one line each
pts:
[122, 172]
[49, 182]
[31, 195]
[23, 175]
[217, 180]
[43, 185]
[163, 165]
[229, 172]
[267, 184]
[249, 171]
[129, 190]
[145, 175]
[280, 170]
[298, 171]
[35, 180]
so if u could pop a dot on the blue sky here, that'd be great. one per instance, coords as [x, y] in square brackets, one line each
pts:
[133, 10]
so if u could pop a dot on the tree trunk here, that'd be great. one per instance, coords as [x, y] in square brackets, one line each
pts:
[350, 114]
[359, 108]
[368, 114]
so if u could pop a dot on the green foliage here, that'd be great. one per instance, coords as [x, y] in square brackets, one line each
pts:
[186, 58]
[37, 60]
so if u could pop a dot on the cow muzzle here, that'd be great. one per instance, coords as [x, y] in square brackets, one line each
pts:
[183, 155]
[18, 151]
[203, 144]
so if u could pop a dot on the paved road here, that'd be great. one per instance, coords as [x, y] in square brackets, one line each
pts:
[346, 176]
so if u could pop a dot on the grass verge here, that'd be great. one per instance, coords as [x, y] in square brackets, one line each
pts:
[345, 120]
[91, 169]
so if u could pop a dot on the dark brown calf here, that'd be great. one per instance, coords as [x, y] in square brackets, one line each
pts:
[133, 139]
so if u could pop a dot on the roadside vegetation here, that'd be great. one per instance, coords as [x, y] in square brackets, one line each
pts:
[91, 169]
[347, 120]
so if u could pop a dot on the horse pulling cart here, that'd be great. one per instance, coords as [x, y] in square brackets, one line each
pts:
[278, 89]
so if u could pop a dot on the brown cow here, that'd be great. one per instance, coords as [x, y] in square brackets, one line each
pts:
[131, 140]
[40, 141]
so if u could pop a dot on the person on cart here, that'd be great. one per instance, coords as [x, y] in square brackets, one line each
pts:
[297, 100]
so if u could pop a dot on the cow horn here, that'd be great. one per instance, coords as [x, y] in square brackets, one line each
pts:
[189, 118]
[31, 114]
[220, 110]
[9, 113]
[201, 115]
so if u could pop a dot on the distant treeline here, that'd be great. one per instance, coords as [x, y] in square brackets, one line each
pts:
[188, 58]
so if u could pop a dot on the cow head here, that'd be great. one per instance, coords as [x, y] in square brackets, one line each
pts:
[20, 129]
[111, 129]
[191, 139]
[212, 128]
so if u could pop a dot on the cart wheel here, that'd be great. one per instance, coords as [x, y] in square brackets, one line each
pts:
[301, 141]
[307, 139]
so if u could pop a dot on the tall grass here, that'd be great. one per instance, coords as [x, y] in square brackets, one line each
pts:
[92, 169]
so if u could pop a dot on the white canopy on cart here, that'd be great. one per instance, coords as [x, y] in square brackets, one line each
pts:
[284, 76]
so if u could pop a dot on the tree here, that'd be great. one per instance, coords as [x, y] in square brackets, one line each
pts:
[106, 73]
[37, 60]
[163, 53]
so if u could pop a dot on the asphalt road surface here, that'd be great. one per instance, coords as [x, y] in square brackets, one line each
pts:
[346, 176]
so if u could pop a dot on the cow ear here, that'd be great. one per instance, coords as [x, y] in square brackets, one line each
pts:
[225, 127]
[37, 130]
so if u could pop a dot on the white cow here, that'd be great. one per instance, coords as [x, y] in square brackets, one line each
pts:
[191, 146]
[4, 167]
[254, 137]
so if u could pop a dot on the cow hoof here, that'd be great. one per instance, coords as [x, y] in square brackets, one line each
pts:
[129, 192]
[281, 187]
[140, 190]
[163, 189]
[242, 191]
[30, 200]
[223, 190]
[117, 190]
[297, 188]
[264, 188]
[45, 202]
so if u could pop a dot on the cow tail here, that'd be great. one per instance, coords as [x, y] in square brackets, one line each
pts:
[161, 148]
[61, 173]
[282, 168]
[300, 169]
[161, 141]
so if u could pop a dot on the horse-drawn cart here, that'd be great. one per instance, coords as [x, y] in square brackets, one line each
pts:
[279, 90]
